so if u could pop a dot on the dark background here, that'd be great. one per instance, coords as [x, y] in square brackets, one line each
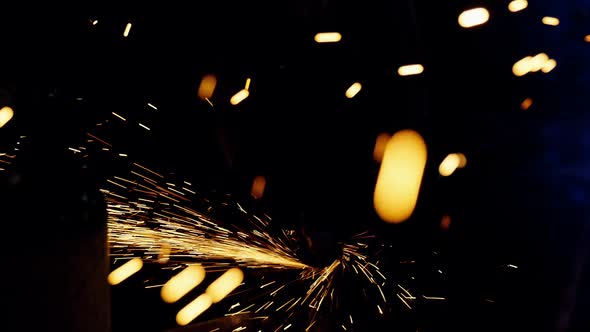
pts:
[522, 199]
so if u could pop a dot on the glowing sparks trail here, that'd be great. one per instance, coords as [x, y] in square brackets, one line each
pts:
[183, 231]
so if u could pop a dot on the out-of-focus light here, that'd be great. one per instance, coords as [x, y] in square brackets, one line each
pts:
[225, 284]
[127, 30]
[449, 164]
[400, 176]
[353, 90]
[587, 38]
[517, 5]
[526, 104]
[95, 22]
[538, 61]
[239, 97]
[522, 66]
[122, 155]
[549, 66]
[125, 271]
[247, 87]
[207, 86]
[445, 222]
[473, 17]
[408, 70]
[258, 186]
[182, 283]
[327, 37]
[193, 309]
[462, 160]
[144, 126]
[380, 145]
[6, 114]
[164, 255]
[548, 20]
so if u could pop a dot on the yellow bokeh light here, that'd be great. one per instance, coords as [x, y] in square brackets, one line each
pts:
[239, 97]
[6, 114]
[449, 164]
[248, 80]
[538, 61]
[193, 309]
[408, 70]
[400, 176]
[587, 38]
[127, 30]
[327, 37]
[522, 66]
[353, 90]
[473, 17]
[548, 20]
[380, 145]
[517, 5]
[549, 66]
[225, 284]
[526, 104]
[258, 186]
[462, 160]
[182, 283]
[207, 86]
[124, 271]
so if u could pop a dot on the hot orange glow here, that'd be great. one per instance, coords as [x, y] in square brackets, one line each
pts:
[445, 222]
[258, 186]
[526, 104]
[207, 86]
[449, 164]
[380, 145]
[400, 176]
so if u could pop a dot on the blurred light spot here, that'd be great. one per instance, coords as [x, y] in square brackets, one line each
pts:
[75, 150]
[225, 284]
[445, 222]
[193, 309]
[473, 17]
[449, 164]
[548, 20]
[144, 126]
[182, 283]
[6, 114]
[207, 86]
[380, 145]
[353, 90]
[522, 66]
[122, 155]
[549, 66]
[587, 38]
[526, 104]
[327, 37]
[517, 5]
[247, 87]
[95, 22]
[400, 176]
[125, 271]
[462, 159]
[258, 186]
[127, 30]
[408, 70]
[152, 106]
[239, 97]
[538, 61]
